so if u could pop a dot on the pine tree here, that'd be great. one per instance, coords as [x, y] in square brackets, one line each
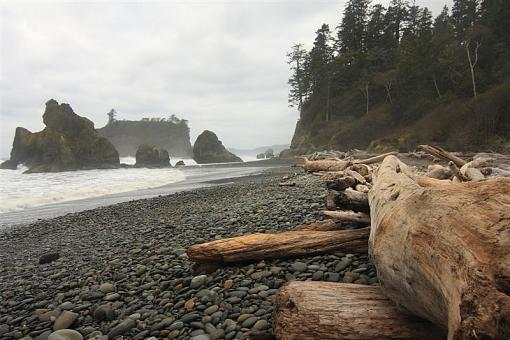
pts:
[299, 80]
[375, 28]
[352, 30]
[320, 56]
[464, 16]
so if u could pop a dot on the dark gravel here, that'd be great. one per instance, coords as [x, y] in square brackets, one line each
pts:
[122, 269]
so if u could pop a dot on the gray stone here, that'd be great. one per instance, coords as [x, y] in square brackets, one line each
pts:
[176, 326]
[299, 266]
[249, 322]
[64, 320]
[65, 334]
[198, 281]
[121, 328]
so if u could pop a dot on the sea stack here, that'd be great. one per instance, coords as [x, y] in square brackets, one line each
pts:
[209, 149]
[152, 157]
[68, 142]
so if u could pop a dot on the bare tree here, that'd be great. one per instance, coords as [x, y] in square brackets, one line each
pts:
[473, 60]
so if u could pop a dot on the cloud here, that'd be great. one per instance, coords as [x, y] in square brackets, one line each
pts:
[219, 64]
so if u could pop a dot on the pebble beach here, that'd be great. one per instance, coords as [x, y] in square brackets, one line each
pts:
[122, 271]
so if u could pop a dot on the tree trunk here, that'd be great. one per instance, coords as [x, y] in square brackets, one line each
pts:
[442, 251]
[330, 310]
[286, 244]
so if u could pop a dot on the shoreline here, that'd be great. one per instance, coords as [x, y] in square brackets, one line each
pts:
[137, 250]
[197, 176]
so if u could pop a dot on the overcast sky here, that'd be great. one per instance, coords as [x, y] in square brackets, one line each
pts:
[219, 64]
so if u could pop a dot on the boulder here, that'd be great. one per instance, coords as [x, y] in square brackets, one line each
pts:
[209, 149]
[151, 156]
[261, 156]
[180, 163]
[68, 142]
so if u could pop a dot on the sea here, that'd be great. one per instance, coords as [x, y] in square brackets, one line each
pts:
[25, 198]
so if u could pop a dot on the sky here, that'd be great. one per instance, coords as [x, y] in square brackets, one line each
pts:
[219, 64]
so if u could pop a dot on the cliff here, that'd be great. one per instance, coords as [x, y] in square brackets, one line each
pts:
[461, 124]
[127, 136]
[68, 142]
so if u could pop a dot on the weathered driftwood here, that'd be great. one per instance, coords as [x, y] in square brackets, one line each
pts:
[362, 169]
[443, 251]
[356, 175]
[349, 199]
[375, 159]
[439, 172]
[325, 165]
[329, 310]
[287, 184]
[286, 244]
[441, 153]
[341, 183]
[456, 172]
[347, 216]
[326, 225]
[331, 200]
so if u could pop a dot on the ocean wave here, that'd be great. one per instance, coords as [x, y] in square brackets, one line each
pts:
[19, 191]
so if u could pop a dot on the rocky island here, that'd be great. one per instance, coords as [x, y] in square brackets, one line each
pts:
[209, 149]
[171, 134]
[68, 142]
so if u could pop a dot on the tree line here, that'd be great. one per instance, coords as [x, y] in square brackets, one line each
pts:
[393, 55]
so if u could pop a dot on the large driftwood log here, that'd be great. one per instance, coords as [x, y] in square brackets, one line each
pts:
[441, 153]
[348, 199]
[347, 216]
[443, 251]
[329, 310]
[326, 225]
[341, 183]
[376, 159]
[286, 244]
[325, 165]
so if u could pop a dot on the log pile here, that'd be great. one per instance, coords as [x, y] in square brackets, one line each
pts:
[438, 236]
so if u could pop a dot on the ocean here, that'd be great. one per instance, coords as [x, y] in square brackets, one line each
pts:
[28, 197]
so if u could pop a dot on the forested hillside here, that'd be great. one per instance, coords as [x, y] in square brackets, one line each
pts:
[392, 77]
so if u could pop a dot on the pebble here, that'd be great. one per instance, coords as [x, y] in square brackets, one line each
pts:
[64, 320]
[106, 288]
[121, 328]
[132, 273]
[65, 334]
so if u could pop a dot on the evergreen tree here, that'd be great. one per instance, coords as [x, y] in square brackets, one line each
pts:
[464, 16]
[320, 56]
[375, 28]
[299, 80]
[352, 30]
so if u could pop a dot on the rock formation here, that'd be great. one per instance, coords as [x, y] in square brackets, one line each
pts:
[127, 135]
[151, 156]
[209, 149]
[68, 142]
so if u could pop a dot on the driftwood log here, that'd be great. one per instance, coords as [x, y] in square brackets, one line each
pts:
[347, 216]
[348, 199]
[287, 244]
[326, 225]
[376, 159]
[443, 154]
[325, 165]
[442, 251]
[329, 310]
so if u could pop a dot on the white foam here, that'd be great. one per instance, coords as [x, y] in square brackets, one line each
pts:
[19, 191]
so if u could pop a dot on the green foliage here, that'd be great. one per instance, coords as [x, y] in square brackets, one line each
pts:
[388, 68]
